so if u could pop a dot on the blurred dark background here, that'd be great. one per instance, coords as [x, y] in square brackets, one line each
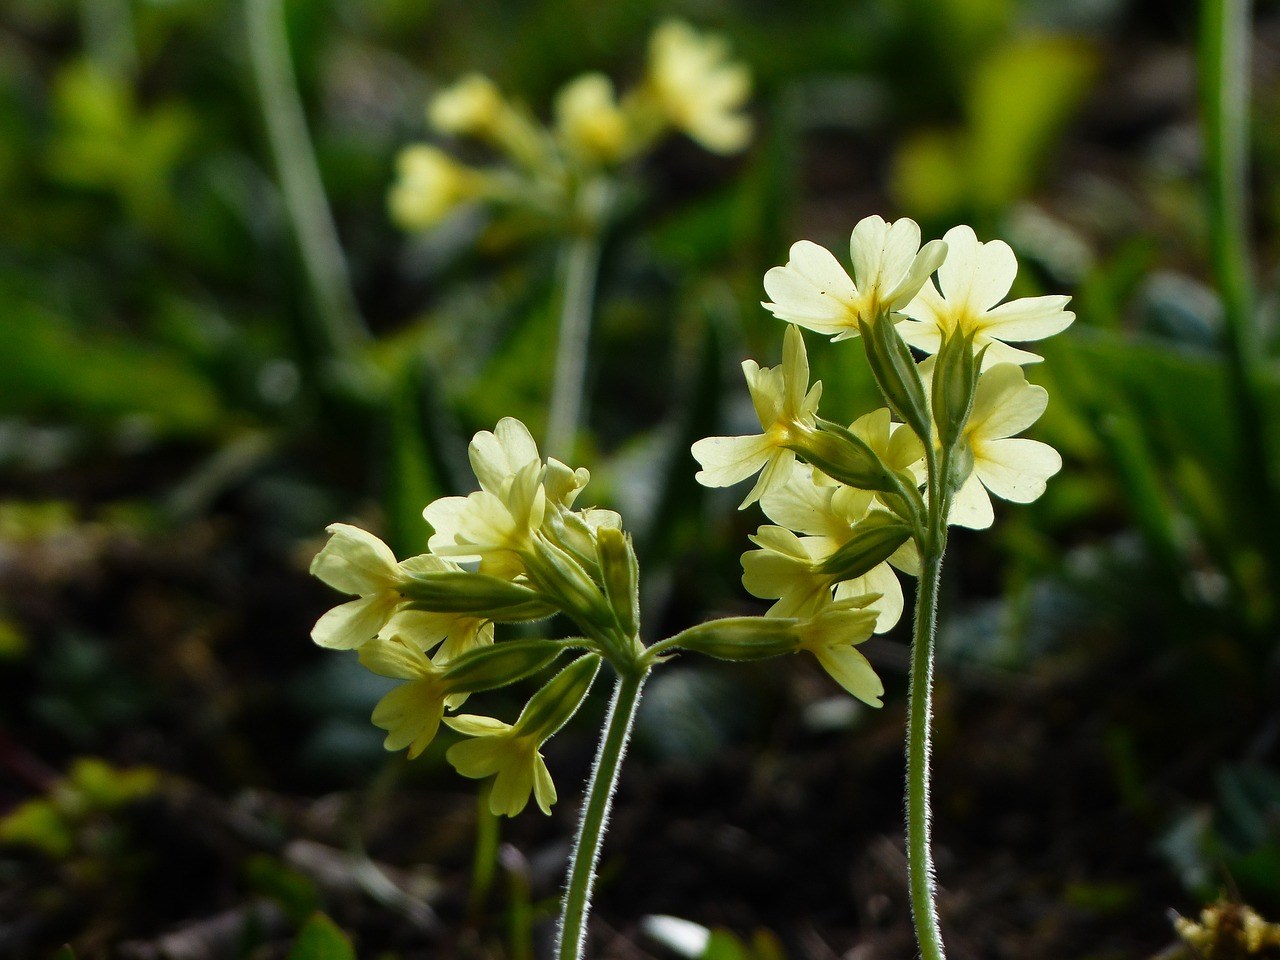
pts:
[183, 774]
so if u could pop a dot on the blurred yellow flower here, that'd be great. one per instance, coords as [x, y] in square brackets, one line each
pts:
[429, 185]
[591, 125]
[972, 281]
[697, 88]
[889, 268]
[1013, 468]
[782, 403]
[471, 107]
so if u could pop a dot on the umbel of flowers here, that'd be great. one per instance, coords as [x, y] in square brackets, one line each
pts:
[851, 507]
[690, 86]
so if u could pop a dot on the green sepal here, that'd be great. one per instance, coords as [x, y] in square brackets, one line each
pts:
[565, 583]
[842, 455]
[459, 591]
[895, 371]
[551, 707]
[741, 638]
[955, 379]
[499, 664]
[875, 539]
[621, 575]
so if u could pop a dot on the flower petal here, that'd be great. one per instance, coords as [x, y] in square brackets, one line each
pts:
[1004, 403]
[971, 507]
[498, 456]
[1016, 469]
[355, 622]
[729, 460]
[355, 561]
[544, 788]
[849, 668]
[1030, 318]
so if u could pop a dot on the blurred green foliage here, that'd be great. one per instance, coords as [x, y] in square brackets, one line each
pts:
[164, 374]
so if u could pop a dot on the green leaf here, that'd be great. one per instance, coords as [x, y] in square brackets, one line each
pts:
[321, 939]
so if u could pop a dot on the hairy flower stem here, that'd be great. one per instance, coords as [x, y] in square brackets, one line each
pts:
[571, 936]
[923, 885]
[919, 723]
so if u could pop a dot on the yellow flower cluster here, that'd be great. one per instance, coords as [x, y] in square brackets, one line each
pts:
[514, 550]
[690, 86]
[847, 503]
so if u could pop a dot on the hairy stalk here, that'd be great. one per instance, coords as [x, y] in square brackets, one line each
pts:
[571, 936]
[299, 176]
[919, 723]
[920, 874]
[581, 268]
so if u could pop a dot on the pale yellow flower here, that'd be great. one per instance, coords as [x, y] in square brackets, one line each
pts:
[972, 282]
[698, 89]
[492, 527]
[354, 561]
[471, 106]
[1012, 468]
[512, 758]
[828, 514]
[510, 753]
[889, 268]
[411, 713]
[590, 123]
[831, 636]
[429, 186]
[783, 400]
[452, 633]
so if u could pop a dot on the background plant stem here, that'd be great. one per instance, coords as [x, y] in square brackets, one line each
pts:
[292, 152]
[581, 268]
[1225, 32]
[576, 906]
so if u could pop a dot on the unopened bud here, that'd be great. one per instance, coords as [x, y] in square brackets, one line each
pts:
[551, 707]
[841, 455]
[955, 377]
[621, 575]
[875, 539]
[498, 665]
[895, 371]
[563, 581]
[460, 591]
[741, 638]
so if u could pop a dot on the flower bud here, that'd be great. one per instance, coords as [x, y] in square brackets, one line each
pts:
[841, 455]
[955, 377]
[563, 581]
[741, 638]
[895, 371]
[589, 121]
[875, 539]
[499, 665]
[429, 186]
[470, 107]
[621, 575]
[551, 707]
[460, 591]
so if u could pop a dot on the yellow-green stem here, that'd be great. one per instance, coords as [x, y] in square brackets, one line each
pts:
[581, 266]
[300, 185]
[571, 936]
[919, 727]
